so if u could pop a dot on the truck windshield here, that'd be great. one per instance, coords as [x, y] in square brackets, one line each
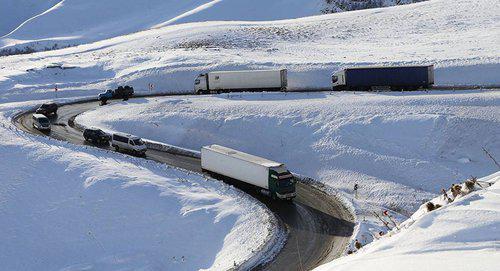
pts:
[138, 142]
[285, 183]
[43, 120]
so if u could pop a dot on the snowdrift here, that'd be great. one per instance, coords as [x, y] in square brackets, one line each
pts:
[462, 235]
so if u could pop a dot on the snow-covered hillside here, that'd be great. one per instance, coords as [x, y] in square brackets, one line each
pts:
[41, 25]
[14, 12]
[449, 34]
[400, 148]
[332, 6]
[463, 235]
[75, 22]
[67, 207]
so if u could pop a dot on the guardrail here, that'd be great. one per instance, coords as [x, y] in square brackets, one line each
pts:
[171, 149]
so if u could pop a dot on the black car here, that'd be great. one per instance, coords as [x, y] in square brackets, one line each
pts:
[123, 92]
[96, 136]
[47, 109]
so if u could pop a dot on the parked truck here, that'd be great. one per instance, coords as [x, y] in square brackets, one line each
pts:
[119, 93]
[375, 77]
[250, 80]
[271, 178]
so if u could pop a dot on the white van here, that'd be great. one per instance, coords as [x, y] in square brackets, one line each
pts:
[41, 122]
[129, 143]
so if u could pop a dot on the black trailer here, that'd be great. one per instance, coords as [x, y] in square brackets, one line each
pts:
[376, 77]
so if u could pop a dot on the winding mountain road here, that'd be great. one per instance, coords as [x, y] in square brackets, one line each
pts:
[318, 226]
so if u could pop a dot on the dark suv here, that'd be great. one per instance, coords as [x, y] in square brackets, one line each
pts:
[96, 136]
[123, 92]
[47, 109]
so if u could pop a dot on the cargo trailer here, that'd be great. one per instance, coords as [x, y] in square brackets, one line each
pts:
[393, 78]
[249, 80]
[271, 178]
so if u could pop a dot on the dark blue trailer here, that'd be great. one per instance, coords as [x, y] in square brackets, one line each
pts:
[376, 77]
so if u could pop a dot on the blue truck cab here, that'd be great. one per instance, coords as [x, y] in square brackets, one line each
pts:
[107, 95]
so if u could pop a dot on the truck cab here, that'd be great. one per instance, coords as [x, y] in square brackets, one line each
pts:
[338, 79]
[107, 95]
[281, 182]
[200, 84]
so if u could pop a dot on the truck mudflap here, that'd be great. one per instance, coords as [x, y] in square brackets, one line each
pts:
[286, 196]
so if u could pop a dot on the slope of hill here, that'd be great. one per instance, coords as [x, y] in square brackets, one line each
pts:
[75, 22]
[14, 12]
[332, 6]
[460, 236]
[31, 26]
[448, 33]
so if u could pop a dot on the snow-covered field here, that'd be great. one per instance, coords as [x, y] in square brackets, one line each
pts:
[67, 207]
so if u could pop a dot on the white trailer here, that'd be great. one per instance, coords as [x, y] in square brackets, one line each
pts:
[271, 176]
[250, 80]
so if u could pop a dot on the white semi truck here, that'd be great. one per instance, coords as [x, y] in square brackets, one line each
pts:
[270, 177]
[250, 80]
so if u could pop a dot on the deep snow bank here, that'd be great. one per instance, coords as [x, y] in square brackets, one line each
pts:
[400, 148]
[66, 207]
[462, 235]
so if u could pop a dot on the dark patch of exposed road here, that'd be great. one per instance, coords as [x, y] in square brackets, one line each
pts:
[318, 226]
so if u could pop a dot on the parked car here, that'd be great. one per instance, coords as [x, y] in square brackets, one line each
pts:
[96, 136]
[41, 122]
[128, 143]
[47, 109]
[123, 92]
[119, 93]
[104, 96]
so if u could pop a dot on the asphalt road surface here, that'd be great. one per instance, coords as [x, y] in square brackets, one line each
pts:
[318, 226]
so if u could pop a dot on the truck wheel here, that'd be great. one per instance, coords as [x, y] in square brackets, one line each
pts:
[117, 148]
